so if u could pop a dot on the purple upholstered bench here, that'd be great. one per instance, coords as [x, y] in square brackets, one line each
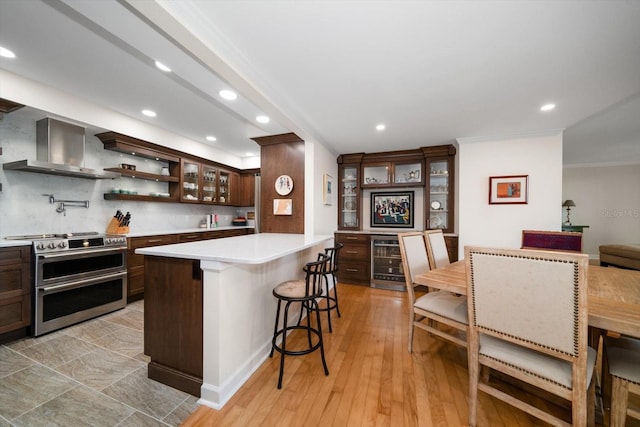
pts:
[625, 256]
[552, 240]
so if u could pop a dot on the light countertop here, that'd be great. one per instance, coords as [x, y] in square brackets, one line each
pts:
[249, 249]
[8, 243]
[186, 230]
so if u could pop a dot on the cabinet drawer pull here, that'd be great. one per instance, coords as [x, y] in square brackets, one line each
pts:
[352, 270]
[351, 252]
[351, 238]
[193, 236]
[154, 240]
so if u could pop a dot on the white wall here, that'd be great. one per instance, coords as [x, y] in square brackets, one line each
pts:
[23, 209]
[320, 218]
[538, 156]
[608, 201]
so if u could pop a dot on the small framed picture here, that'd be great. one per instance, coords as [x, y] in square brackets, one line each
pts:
[508, 190]
[327, 189]
[282, 207]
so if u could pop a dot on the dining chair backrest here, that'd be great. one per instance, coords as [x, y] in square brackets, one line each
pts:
[512, 290]
[436, 249]
[528, 317]
[552, 240]
[414, 256]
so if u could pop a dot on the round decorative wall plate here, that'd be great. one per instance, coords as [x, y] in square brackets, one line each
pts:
[284, 185]
[435, 205]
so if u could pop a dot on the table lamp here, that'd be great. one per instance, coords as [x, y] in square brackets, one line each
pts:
[568, 204]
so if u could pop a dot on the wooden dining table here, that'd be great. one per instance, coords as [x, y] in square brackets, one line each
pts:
[613, 302]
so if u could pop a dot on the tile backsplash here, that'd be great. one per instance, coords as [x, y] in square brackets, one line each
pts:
[25, 210]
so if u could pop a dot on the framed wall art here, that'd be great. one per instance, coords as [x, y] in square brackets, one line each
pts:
[282, 207]
[327, 189]
[392, 209]
[508, 190]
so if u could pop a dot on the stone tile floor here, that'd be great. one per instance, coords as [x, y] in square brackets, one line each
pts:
[90, 374]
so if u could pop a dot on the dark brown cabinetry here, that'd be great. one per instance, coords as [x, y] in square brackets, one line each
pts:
[135, 262]
[15, 291]
[190, 179]
[439, 192]
[349, 191]
[173, 322]
[430, 168]
[354, 264]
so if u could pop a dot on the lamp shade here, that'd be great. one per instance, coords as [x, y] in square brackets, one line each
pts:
[568, 203]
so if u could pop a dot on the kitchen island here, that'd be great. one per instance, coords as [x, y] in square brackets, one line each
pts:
[209, 308]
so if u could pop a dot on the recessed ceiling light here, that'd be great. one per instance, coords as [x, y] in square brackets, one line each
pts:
[262, 119]
[149, 113]
[249, 154]
[163, 67]
[4, 52]
[211, 138]
[380, 127]
[228, 94]
[547, 107]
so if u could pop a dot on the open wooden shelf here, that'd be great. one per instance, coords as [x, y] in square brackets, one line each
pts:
[139, 198]
[144, 175]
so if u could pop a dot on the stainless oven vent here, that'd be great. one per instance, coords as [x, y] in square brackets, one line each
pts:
[59, 151]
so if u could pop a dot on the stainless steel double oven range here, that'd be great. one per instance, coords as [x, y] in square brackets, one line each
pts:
[78, 276]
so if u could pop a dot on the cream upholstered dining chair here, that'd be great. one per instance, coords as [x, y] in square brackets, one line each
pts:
[528, 320]
[436, 248]
[435, 308]
[622, 370]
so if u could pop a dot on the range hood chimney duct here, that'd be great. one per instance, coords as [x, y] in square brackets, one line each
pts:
[59, 151]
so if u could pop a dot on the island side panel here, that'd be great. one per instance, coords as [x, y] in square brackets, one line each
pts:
[173, 322]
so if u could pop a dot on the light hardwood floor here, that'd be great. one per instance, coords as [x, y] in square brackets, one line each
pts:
[373, 380]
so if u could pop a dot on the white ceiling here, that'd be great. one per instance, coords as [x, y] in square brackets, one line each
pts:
[432, 71]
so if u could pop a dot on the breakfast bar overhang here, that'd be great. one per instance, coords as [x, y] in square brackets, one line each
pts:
[209, 308]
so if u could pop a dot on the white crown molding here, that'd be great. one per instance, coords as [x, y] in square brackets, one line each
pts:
[519, 135]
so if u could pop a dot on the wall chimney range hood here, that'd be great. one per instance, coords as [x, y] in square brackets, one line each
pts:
[59, 151]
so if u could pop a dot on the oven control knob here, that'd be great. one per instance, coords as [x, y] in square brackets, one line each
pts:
[40, 246]
[62, 245]
[52, 245]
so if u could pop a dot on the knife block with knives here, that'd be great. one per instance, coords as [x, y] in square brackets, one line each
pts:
[119, 223]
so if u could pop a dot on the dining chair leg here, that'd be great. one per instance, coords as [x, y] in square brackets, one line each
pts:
[619, 397]
[411, 329]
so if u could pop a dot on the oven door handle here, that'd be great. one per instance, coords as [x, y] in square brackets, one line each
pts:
[80, 283]
[87, 252]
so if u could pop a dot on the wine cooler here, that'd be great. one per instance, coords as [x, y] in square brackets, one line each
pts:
[386, 263]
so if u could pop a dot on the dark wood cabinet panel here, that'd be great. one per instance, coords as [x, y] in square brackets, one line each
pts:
[15, 313]
[173, 322]
[15, 291]
[452, 247]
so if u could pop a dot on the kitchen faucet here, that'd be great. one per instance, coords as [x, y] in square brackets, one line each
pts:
[64, 203]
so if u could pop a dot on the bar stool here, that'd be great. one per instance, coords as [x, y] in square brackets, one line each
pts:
[331, 270]
[305, 292]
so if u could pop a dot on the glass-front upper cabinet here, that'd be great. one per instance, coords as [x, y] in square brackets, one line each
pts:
[225, 187]
[440, 191]
[408, 173]
[190, 188]
[393, 174]
[209, 184]
[349, 197]
[376, 174]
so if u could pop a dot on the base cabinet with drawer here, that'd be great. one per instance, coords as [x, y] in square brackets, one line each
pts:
[354, 263]
[15, 291]
[135, 262]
